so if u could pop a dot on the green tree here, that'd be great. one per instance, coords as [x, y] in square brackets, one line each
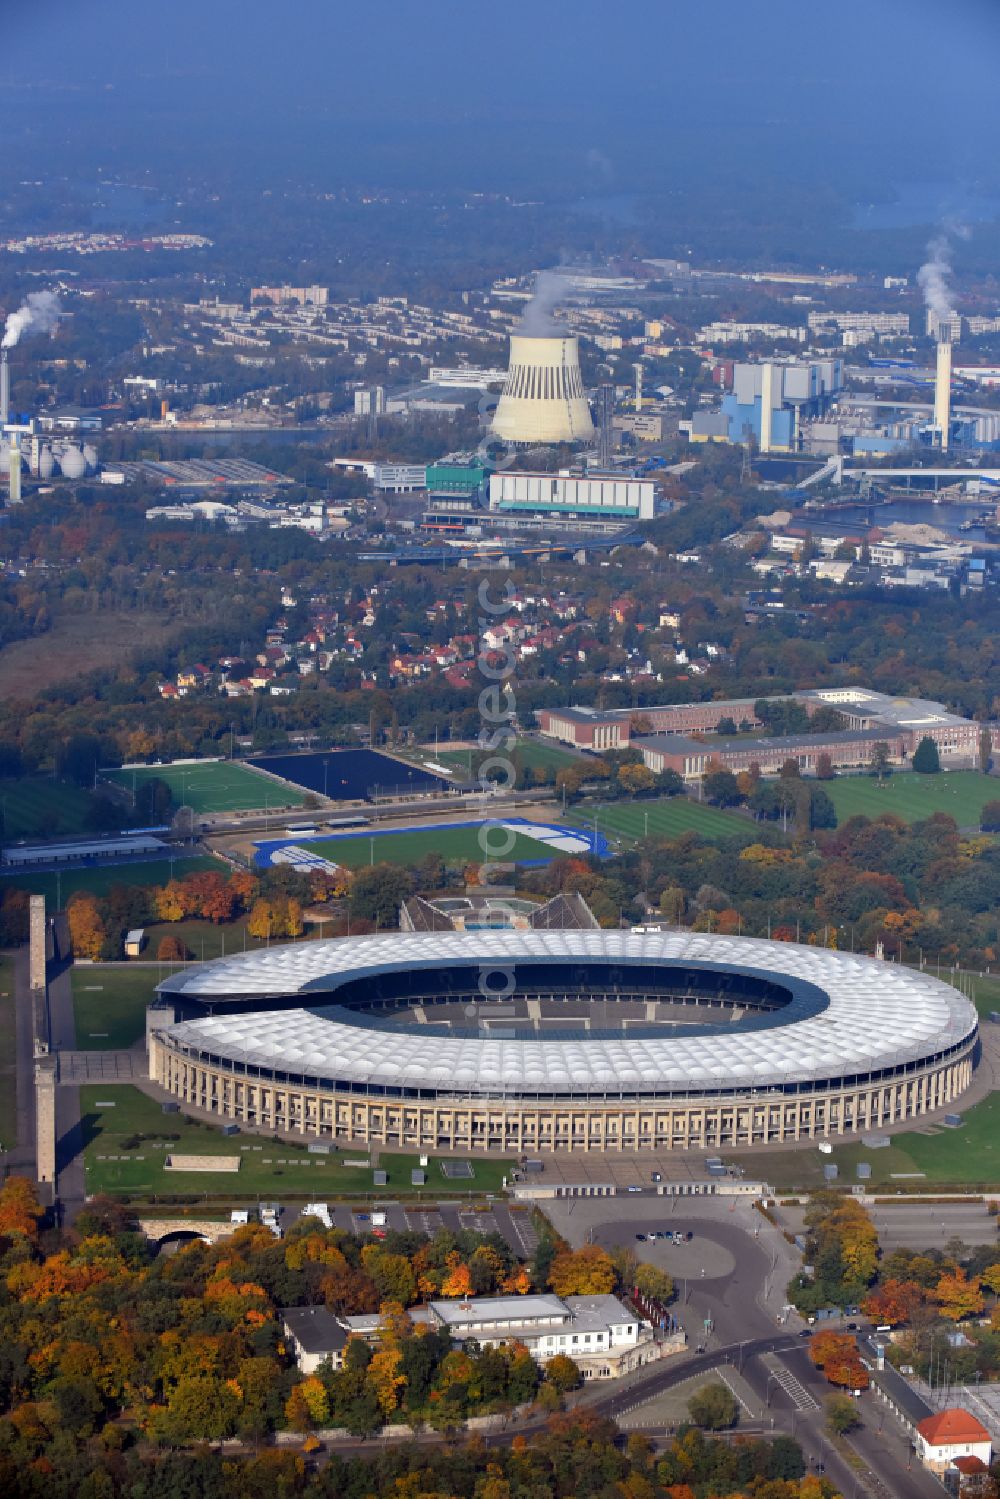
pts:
[985, 751]
[989, 818]
[720, 787]
[714, 1406]
[841, 1414]
[653, 1282]
[378, 892]
[879, 763]
[563, 1373]
[926, 760]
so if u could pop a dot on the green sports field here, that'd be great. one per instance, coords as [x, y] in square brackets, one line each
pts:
[960, 793]
[214, 786]
[268, 1168]
[456, 845]
[99, 881]
[666, 817]
[41, 807]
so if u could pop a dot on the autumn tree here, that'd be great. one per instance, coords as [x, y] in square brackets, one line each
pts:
[562, 1372]
[588, 1271]
[87, 931]
[20, 1211]
[172, 950]
[957, 1295]
[654, 1283]
[893, 1301]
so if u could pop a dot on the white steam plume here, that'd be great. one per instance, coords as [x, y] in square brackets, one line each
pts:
[551, 288]
[38, 313]
[934, 275]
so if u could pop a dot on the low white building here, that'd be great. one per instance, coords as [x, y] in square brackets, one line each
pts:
[950, 1434]
[597, 1332]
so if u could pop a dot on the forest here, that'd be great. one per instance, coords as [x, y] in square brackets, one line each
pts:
[119, 1367]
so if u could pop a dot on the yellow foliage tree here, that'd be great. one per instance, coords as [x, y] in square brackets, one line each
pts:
[384, 1378]
[991, 1278]
[86, 928]
[169, 902]
[261, 921]
[582, 1272]
[958, 1296]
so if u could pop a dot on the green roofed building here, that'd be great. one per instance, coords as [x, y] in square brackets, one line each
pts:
[457, 478]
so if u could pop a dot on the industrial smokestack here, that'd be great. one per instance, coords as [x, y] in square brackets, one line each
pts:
[942, 387]
[14, 495]
[4, 390]
[767, 384]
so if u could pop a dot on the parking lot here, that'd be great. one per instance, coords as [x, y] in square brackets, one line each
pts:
[909, 1224]
[513, 1225]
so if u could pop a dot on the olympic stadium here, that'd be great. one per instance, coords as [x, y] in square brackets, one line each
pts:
[534, 1041]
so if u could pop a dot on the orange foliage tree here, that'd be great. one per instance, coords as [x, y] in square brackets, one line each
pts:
[958, 1296]
[87, 931]
[19, 1209]
[582, 1272]
[892, 1302]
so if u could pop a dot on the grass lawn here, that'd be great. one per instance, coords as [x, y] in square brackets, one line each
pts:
[8, 1056]
[666, 817]
[203, 939]
[42, 807]
[268, 1169]
[99, 881]
[960, 793]
[454, 844]
[216, 786]
[109, 1004]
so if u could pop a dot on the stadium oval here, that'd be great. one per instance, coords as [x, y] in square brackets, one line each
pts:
[601, 1041]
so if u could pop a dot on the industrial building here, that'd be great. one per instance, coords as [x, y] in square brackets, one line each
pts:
[700, 1041]
[767, 404]
[598, 499]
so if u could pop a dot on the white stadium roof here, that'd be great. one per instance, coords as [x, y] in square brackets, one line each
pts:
[876, 1016]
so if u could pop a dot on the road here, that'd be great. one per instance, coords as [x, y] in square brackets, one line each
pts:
[729, 1282]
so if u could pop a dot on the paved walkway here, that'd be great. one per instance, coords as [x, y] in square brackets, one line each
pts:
[103, 1066]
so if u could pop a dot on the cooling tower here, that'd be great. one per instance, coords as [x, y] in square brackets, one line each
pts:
[543, 398]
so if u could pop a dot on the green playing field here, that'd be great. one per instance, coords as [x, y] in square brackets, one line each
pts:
[666, 817]
[960, 793]
[454, 844]
[59, 887]
[214, 786]
[41, 807]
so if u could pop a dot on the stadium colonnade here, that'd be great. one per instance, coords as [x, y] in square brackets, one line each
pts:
[403, 1041]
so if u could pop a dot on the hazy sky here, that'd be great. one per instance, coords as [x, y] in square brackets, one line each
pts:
[887, 88]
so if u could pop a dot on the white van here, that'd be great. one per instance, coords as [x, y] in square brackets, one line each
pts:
[320, 1210]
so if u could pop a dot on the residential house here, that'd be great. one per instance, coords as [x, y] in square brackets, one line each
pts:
[950, 1434]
